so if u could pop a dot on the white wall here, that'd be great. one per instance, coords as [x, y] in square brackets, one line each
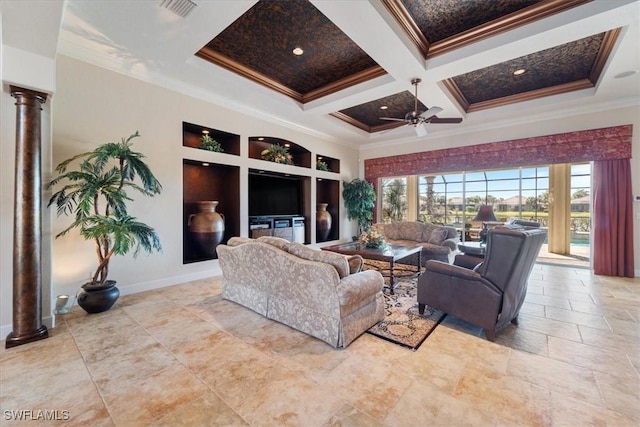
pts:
[616, 117]
[94, 106]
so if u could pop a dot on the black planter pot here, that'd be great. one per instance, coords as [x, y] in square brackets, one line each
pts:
[96, 299]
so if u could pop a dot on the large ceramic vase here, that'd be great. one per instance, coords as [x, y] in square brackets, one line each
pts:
[96, 299]
[206, 227]
[323, 222]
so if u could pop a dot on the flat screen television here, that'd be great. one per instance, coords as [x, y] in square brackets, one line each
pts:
[273, 195]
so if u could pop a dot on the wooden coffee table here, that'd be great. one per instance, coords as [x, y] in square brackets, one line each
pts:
[389, 253]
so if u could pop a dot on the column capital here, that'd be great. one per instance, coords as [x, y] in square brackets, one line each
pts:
[17, 91]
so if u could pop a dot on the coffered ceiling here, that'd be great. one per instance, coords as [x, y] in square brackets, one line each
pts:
[360, 56]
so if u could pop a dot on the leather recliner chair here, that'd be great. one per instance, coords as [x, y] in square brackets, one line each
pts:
[490, 296]
[471, 261]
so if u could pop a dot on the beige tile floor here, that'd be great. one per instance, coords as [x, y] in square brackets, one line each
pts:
[183, 356]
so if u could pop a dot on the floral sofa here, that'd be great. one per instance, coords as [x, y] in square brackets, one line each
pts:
[321, 293]
[438, 242]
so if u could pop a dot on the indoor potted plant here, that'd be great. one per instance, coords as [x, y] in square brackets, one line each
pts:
[359, 199]
[277, 153]
[321, 165]
[210, 144]
[96, 194]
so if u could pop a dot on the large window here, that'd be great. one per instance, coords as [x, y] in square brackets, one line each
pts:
[513, 193]
[440, 198]
[516, 193]
[580, 203]
[394, 199]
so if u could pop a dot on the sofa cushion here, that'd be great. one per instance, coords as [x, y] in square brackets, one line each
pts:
[338, 261]
[410, 230]
[391, 230]
[438, 235]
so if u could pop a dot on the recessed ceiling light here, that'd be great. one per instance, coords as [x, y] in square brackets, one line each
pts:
[287, 145]
[261, 139]
[518, 72]
[384, 107]
[319, 157]
[205, 131]
[205, 164]
[298, 51]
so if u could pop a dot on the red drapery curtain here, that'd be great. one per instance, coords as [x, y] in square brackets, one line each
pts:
[612, 218]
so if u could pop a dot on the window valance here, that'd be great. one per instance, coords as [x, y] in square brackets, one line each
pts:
[572, 147]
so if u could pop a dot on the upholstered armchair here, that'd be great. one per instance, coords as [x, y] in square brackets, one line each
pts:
[490, 296]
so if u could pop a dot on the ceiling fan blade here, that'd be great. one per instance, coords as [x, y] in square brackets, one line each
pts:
[446, 120]
[430, 112]
[392, 119]
[421, 129]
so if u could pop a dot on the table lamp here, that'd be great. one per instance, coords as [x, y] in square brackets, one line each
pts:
[485, 214]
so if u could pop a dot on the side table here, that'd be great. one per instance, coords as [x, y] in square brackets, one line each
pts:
[473, 248]
[472, 254]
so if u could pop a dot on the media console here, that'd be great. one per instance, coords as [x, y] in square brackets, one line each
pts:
[290, 227]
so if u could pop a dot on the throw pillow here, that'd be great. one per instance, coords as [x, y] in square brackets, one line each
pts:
[438, 236]
[427, 229]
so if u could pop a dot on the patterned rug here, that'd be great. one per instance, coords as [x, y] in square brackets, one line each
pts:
[402, 323]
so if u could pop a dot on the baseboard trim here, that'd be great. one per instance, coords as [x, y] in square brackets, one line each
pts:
[168, 281]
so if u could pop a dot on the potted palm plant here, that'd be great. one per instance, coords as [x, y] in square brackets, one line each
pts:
[96, 194]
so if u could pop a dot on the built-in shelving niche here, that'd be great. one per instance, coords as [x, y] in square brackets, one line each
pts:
[209, 181]
[328, 191]
[300, 155]
[191, 135]
[332, 164]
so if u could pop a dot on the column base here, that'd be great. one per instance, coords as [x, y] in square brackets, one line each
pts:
[16, 340]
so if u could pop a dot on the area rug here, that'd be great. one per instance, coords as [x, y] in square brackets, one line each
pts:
[402, 323]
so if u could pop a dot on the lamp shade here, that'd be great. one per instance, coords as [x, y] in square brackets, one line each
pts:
[485, 214]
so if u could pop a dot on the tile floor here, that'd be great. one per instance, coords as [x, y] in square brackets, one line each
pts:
[183, 356]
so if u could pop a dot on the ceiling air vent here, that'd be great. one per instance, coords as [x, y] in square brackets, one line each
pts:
[179, 7]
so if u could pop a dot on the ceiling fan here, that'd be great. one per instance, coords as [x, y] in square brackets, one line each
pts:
[419, 119]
